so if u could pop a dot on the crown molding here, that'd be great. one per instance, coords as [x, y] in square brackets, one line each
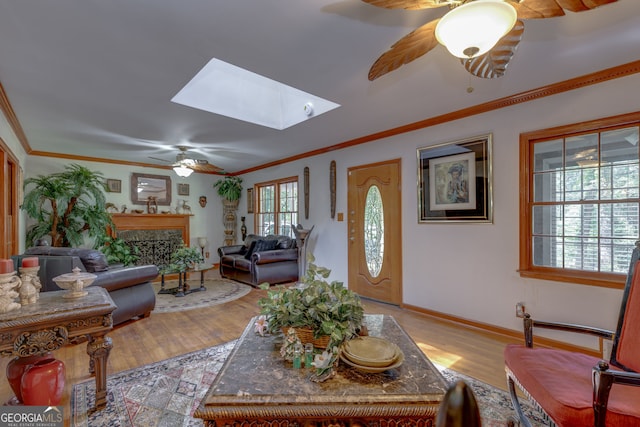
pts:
[508, 101]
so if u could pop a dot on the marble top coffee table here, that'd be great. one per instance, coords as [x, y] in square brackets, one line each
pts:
[255, 387]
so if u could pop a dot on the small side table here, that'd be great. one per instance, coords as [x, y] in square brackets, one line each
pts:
[183, 287]
[54, 321]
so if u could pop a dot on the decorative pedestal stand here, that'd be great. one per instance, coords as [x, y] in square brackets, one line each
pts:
[30, 288]
[301, 240]
[229, 218]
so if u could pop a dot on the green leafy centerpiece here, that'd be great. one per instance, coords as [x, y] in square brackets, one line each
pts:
[328, 311]
[183, 259]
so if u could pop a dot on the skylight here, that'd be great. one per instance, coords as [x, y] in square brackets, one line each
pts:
[231, 91]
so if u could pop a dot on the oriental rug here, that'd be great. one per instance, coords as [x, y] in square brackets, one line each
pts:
[167, 393]
[218, 291]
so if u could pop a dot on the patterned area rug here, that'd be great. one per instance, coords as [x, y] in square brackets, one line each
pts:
[218, 291]
[168, 392]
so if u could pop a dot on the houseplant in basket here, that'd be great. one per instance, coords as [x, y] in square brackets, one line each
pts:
[184, 258]
[322, 312]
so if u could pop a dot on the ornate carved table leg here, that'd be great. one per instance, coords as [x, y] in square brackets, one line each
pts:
[98, 349]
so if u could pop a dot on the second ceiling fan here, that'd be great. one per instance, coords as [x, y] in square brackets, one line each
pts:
[184, 164]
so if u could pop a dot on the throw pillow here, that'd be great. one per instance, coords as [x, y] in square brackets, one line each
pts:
[265, 245]
[93, 260]
[261, 245]
[250, 249]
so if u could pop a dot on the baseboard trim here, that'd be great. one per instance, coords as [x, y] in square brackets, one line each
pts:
[499, 331]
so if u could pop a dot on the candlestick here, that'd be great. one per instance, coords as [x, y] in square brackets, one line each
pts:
[30, 262]
[6, 266]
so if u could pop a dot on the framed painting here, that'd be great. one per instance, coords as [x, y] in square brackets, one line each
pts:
[114, 185]
[145, 187]
[249, 200]
[183, 189]
[455, 181]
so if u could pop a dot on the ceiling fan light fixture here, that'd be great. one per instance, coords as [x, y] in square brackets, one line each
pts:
[474, 28]
[182, 171]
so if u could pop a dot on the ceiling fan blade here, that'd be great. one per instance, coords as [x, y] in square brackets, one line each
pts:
[405, 50]
[409, 4]
[161, 160]
[582, 5]
[494, 63]
[205, 167]
[537, 9]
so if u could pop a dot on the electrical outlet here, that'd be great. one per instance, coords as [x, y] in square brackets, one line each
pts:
[520, 309]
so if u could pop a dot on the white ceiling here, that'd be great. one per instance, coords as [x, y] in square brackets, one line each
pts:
[96, 77]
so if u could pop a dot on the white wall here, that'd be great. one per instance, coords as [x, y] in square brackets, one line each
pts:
[467, 270]
[205, 221]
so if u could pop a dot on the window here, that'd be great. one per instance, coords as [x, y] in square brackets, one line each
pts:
[277, 207]
[580, 201]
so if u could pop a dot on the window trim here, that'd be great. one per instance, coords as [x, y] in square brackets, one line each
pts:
[276, 183]
[526, 267]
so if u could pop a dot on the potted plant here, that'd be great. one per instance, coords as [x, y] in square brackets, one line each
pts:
[118, 251]
[67, 206]
[184, 258]
[229, 188]
[326, 309]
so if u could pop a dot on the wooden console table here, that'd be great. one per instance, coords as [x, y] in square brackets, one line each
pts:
[255, 387]
[54, 321]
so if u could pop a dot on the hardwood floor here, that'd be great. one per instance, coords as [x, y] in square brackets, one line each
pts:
[161, 336]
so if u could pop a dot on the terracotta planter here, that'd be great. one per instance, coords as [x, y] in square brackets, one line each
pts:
[43, 383]
[16, 368]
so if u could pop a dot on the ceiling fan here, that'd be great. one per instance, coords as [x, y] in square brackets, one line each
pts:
[492, 63]
[184, 165]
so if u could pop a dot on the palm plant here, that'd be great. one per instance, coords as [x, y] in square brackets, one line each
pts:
[67, 206]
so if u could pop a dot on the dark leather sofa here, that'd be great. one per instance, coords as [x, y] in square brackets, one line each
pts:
[271, 259]
[129, 287]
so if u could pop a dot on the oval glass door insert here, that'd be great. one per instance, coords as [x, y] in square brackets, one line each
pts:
[374, 230]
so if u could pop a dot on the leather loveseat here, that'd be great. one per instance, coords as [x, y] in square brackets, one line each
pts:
[272, 259]
[129, 287]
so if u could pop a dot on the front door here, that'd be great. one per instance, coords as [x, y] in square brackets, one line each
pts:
[375, 231]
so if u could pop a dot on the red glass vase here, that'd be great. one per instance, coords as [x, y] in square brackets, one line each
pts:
[43, 383]
[16, 368]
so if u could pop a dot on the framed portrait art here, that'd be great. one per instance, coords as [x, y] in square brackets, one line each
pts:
[114, 185]
[455, 180]
[183, 189]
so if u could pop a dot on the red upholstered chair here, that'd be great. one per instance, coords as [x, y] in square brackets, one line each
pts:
[574, 389]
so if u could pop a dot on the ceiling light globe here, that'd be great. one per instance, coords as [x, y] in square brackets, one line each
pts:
[182, 171]
[474, 28]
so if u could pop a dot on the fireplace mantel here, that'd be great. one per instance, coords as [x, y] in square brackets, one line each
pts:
[155, 235]
[153, 222]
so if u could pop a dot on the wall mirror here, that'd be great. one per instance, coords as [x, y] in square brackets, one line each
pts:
[144, 186]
